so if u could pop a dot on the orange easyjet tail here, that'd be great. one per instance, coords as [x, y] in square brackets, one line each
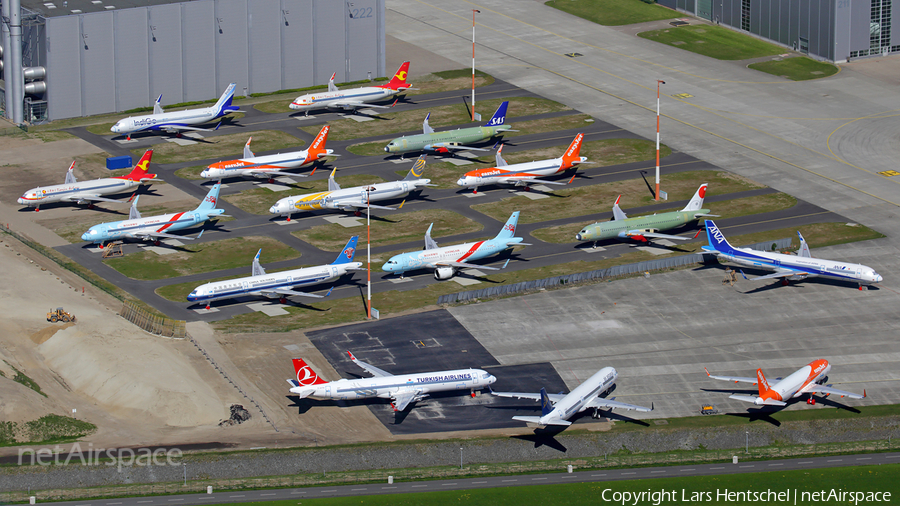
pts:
[139, 172]
[318, 144]
[399, 80]
[572, 155]
[762, 383]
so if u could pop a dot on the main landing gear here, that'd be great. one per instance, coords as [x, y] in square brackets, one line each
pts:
[282, 300]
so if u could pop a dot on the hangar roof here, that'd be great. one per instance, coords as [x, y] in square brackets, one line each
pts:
[54, 8]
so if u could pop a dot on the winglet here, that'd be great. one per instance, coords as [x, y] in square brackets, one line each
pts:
[864, 393]
[329, 291]
[651, 406]
[707, 371]
[505, 264]
[351, 356]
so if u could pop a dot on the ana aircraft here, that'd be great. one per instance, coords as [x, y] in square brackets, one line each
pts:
[446, 261]
[155, 228]
[556, 409]
[356, 198]
[352, 99]
[402, 390]
[178, 121]
[809, 379]
[786, 267]
[278, 285]
[430, 141]
[89, 191]
[271, 165]
[644, 228]
[524, 174]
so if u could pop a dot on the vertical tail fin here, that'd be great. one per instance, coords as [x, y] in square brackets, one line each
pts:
[157, 108]
[223, 105]
[429, 242]
[426, 128]
[572, 156]
[417, 170]
[305, 374]
[498, 158]
[318, 144]
[618, 213]
[804, 248]
[499, 117]
[398, 82]
[697, 201]
[139, 172]
[70, 174]
[716, 240]
[546, 405]
[332, 184]
[346, 255]
[211, 199]
[509, 229]
[331, 86]
[762, 383]
[133, 213]
[247, 152]
[256, 269]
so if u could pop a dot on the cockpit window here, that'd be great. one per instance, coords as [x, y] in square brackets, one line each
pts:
[486, 375]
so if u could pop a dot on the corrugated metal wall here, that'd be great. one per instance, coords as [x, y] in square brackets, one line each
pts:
[119, 60]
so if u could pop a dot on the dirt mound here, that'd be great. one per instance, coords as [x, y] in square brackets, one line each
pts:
[42, 335]
[238, 416]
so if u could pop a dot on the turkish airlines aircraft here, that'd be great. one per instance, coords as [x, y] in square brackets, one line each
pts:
[809, 379]
[271, 165]
[402, 389]
[349, 100]
[556, 409]
[89, 191]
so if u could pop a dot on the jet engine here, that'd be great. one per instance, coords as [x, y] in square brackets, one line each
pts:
[444, 273]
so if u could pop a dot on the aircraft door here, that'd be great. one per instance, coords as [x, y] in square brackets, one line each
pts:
[196, 217]
[405, 187]
[244, 285]
[334, 272]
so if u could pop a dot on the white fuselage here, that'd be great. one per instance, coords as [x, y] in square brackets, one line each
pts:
[384, 386]
[70, 192]
[814, 266]
[335, 99]
[260, 165]
[347, 199]
[583, 394]
[167, 121]
[265, 284]
[796, 383]
[430, 258]
[509, 173]
[165, 223]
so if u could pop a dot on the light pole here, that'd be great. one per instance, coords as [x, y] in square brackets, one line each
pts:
[184, 470]
[747, 448]
[460, 458]
[368, 257]
[474, 11]
[658, 82]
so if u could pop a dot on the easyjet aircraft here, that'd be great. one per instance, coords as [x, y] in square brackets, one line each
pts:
[809, 379]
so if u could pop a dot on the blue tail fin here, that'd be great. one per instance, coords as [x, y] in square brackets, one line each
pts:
[716, 240]
[211, 199]
[347, 254]
[546, 405]
[499, 117]
[223, 105]
[509, 229]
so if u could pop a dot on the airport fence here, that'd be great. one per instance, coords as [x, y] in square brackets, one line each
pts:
[616, 271]
[151, 323]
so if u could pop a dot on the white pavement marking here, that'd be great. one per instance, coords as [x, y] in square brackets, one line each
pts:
[664, 242]
[654, 472]
[418, 486]
[274, 187]
[302, 117]
[745, 466]
[654, 250]
[888, 457]
[400, 160]
[809, 462]
[473, 272]
[623, 474]
[159, 251]
[268, 308]
[532, 195]
[203, 310]
[506, 481]
[357, 118]
[141, 502]
[478, 482]
[717, 468]
[601, 474]
[125, 141]
[298, 492]
[458, 162]
[181, 141]
[835, 460]
[598, 249]
[406, 279]
[345, 221]
[542, 187]
[285, 180]
[273, 494]
[286, 222]
[175, 500]
[864, 458]
[473, 195]
[467, 154]
[357, 489]
[685, 470]
[537, 479]
[776, 464]
[448, 484]
[465, 281]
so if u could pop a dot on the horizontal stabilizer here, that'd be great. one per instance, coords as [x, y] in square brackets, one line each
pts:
[536, 420]
[756, 400]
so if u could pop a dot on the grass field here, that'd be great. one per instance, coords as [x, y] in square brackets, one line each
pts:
[613, 12]
[392, 122]
[259, 200]
[713, 41]
[391, 229]
[682, 490]
[225, 147]
[796, 69]
[204, 257]
[571, 202]
[726, 209]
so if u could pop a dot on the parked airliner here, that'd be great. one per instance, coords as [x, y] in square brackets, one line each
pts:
[809, 379]
[401, 389]
[446, 141]
[178, 121]
[356, 198]
[786, 267]
[349, 100]
[447, 260]
[524, 174]
[89, 191]
[271, 165]
[278, 285]
[556, 409]
[155, 228]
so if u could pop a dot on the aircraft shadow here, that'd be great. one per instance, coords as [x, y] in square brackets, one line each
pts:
[762, 414]
[544, 437]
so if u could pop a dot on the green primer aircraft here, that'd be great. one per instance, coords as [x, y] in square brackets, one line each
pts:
[644, 228]
[442, 142]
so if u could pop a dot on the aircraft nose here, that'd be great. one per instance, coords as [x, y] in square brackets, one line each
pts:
[21, 201]
[86, 236]
[204, 173]
[294, 106]
[578, 237]
[387, 149]
[461, 181]
[878, 278]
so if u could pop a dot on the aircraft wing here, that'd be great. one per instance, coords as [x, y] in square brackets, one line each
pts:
[402, 399]
[172, 128]
[271, 164]
[554, 398]
[752, 399]
[373, 206]
[600, 402]
[94, 198]
[780, 273]
[152, 234]
[287, 291]
[654, 235]
[735, 379]
[348, 104]
[463, 264]
[526, 180]
[369, 368]
[459, 147]
[260, 173]
[827, 390]
[536, 420]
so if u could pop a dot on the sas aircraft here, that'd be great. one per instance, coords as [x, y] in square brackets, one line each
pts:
[556, 409]
[270, 165]
[155, 228]
[809, 379]
[89, 191]
[352, 99]
[356, 198]
[786, 267]
[430, 141]
[402, 390]
[524, 174]
[447, 260]
[278, 285]
[178, 121]
[644, 228]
